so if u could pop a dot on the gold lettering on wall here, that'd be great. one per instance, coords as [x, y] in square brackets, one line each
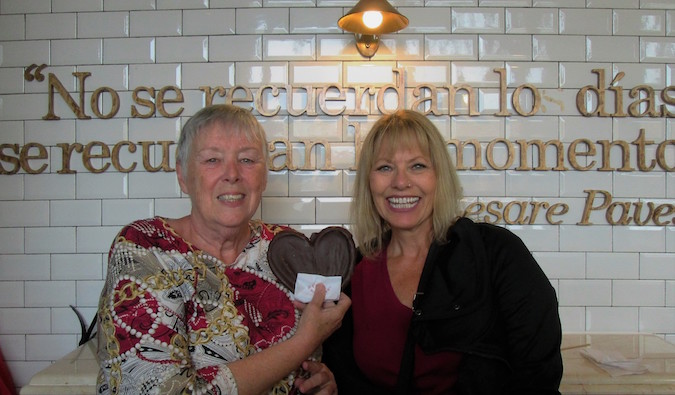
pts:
[591, 100]
[625, 212]
[14, 158]
[604, 98]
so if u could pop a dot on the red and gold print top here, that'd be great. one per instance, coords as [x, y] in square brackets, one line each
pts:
[171, 317]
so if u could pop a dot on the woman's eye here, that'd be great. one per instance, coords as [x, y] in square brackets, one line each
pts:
[419, 166]
[211, 160]
[383, 168]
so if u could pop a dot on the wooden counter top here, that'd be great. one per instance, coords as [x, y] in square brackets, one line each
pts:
[581, 376]
[76, 373]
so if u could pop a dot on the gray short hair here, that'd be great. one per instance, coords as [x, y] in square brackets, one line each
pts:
[240, 119]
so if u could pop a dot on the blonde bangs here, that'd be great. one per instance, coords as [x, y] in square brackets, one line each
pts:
[400, 132]
[404, 129]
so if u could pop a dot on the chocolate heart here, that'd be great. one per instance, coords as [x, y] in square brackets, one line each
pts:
[330, 252]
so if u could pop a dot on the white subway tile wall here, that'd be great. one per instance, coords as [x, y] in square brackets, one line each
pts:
[12, 27]
[57, 226]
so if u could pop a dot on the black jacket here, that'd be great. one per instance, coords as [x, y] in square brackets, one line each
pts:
[485, 296]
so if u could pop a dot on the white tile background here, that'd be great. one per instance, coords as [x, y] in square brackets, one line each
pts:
[55, 229]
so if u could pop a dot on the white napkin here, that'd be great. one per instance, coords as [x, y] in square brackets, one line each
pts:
[614, 363]
[305, 284]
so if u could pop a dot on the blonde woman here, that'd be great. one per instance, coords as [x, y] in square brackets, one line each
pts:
[440, 304]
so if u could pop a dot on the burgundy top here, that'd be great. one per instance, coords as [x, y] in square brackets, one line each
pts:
[381, 324]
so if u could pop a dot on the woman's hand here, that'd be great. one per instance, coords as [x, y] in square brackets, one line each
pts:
[320, 319]
[319, 380]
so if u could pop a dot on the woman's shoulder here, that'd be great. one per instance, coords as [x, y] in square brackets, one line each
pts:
[268, 231]
[152, 232]
[145, 222]
[488, 233]
[144, 227]
[467, 225]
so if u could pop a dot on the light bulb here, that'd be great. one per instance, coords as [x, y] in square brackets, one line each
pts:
[372, 19]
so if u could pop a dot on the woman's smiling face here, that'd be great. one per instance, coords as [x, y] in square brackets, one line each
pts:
[226, 176]
[403, 185]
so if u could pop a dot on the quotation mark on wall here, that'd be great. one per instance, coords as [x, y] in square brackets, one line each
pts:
[28, 74]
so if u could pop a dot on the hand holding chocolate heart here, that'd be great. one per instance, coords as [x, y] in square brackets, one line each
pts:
[330, 252]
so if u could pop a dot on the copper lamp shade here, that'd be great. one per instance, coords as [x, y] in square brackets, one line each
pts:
[367, 38]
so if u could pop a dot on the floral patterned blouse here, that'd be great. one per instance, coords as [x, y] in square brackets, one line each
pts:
[171, 317]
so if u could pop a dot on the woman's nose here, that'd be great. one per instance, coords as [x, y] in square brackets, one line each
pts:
[401, 180]
[231, 171]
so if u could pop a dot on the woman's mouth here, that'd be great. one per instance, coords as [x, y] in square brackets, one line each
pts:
[403, 202]
[231, 197]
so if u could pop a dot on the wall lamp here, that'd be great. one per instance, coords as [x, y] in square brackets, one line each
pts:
[368, 20]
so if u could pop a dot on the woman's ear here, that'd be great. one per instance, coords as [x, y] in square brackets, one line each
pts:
[181, 178]
[267, 172]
